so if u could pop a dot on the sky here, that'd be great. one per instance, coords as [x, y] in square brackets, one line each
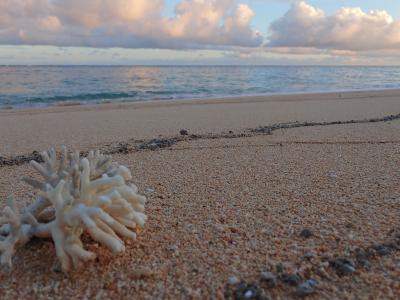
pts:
[198, 32]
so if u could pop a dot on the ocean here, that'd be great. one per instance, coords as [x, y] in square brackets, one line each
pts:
[37, 86]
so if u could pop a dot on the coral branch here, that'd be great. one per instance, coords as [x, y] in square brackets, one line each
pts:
[76, 195]
[18, 234]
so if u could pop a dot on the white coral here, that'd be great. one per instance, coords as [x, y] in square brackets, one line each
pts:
[77, 195]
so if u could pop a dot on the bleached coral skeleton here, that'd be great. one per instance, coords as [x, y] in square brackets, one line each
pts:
[77, 195]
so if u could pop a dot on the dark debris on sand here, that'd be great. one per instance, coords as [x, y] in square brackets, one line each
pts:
[20, 159]
[300, 287]
[132, 145]
[158, 144]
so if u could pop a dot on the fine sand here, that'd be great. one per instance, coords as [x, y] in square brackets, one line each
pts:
[86, 127]
[229, 202]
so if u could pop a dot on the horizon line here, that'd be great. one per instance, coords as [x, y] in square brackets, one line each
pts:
[195, 65]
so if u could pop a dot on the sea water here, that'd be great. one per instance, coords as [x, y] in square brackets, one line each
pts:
[22, 86]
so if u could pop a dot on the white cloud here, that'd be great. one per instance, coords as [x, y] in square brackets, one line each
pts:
[304, 31]
[350, 29]
[126, 23]
[50, 23]
[214, 22]
[92, 14]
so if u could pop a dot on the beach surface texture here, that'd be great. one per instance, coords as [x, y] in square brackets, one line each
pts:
[275, 197]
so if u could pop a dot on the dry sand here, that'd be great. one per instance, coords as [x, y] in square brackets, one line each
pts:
[230, 207]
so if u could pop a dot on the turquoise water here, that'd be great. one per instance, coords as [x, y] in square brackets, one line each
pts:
[22, 86]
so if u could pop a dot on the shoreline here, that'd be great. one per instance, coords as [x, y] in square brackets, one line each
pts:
[273, 97]
[84, 127]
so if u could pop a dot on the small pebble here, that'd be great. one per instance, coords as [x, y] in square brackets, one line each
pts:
[382, 250]
[394, 245]
[306, 288]
[173, 248]
[362, 258]
[364, 263]
[56, 267]
[263, 295]
[332, 174]
[232, 280]
[248, 294]
[269, 278]
[149, 190]
[306, 233]
[183, 132]
[250, 291]
[152, 146]
[292, 279]
[279, 268]
[343, 266]
[309, 255]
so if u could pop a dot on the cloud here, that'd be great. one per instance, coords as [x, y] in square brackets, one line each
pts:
[349, 29]
[304, 31]
[127, 23]
[50, 24]
[90, 15]
[209, 22]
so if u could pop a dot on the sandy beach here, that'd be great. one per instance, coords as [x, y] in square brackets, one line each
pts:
[86, 127]
[263, 194]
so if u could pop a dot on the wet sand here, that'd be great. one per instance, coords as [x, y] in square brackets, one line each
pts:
[231, 207]
[86, 127]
